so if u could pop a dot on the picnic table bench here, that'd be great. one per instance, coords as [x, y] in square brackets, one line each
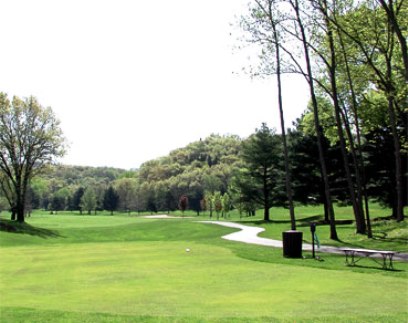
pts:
[355, 255]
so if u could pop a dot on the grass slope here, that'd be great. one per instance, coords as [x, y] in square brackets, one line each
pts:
[121, 269]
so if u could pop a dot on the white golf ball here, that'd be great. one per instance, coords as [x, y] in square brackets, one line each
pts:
[187, 250]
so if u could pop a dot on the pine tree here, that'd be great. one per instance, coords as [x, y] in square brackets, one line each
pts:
[110, 200]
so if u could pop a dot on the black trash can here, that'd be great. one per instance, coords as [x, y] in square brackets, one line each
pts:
[292, 243]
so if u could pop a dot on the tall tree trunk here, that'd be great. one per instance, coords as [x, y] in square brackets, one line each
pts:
[319, 133]
[20, 199]
[359, 162]
[266, 197]
[13, 213]
[331, 65]
[392, 18]
[356, 199]
[266, 212]
[326, 209]
[288, 171]
[385, 82]
[398, 163]
[390, 92]
[20, 212]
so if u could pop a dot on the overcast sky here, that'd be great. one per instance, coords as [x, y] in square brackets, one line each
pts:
[132, 80]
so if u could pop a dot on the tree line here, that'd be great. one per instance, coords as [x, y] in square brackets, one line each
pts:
[353, 55]
[216, 174]
[349, 146]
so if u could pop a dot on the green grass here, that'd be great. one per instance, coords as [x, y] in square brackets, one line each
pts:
[387, 234]
[119, 268]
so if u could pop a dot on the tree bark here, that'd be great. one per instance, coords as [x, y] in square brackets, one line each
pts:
[331, 64]
[389, 9]
[398, 163]
[282, 121]
[13, 213]
[359, 162]
[389, 89]
[319, 134]
[266, 196]
[20, 213]
[385, 82]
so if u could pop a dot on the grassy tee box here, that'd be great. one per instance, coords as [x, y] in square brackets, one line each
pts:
[120, 269]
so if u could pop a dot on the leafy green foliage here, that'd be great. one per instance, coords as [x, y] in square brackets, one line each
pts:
[262, 155]
[200, 167]
[110, 200]
[30, 138]
[89, 200]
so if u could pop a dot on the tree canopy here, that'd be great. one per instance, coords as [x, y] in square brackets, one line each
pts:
[30, 138]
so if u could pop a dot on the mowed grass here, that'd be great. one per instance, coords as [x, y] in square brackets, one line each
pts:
[387, 234]
[69, 268]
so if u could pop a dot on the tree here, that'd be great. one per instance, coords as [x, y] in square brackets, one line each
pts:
[209, 202]
[261, 153]
[242, 192]
[289, 19]
[110, 200]
[30, 138]
[325, 10]
[76, 200]
[203, 204]
[267, 18]
[217, 203]
[100, 188]
[3, 203]
[40, 191]
[89, 200]
[393, 10]
[195, 196]
[226, 205]
[372, 29]
[59, 200]
[212, 183]
[57, 204]
[308, 183]
[381, 168]
[125, 188]
[183, 203]
[8, 193]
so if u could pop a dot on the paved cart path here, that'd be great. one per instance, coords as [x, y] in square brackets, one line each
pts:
[249, 234]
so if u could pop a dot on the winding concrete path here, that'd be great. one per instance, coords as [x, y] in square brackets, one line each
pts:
[248, 234]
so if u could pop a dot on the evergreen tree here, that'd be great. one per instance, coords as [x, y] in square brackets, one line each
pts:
[110, 200]
[381, 169]
[57, 203]
[76, 200]
[262, 153]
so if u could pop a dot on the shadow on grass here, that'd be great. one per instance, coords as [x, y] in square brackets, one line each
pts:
[304, 222]
[319, 220]
[257, 222]
[383, 237]
[374, 267]
[350, 244]
[24, 228]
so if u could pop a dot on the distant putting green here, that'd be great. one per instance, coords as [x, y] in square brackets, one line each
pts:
[119, 269]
